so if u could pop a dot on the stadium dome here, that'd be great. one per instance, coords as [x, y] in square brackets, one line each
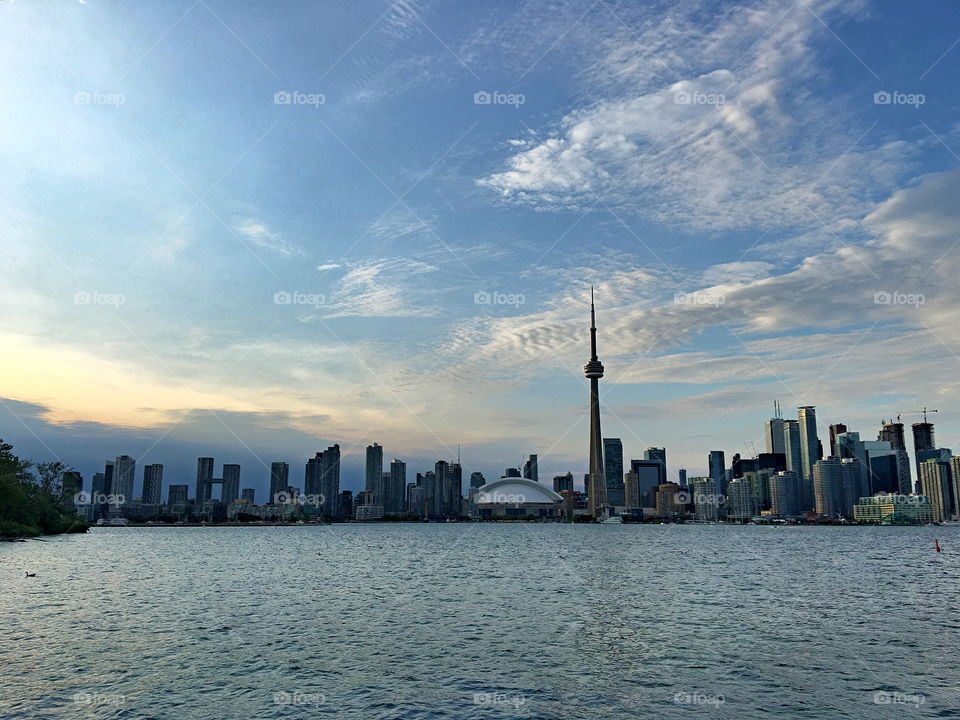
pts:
[516, 491]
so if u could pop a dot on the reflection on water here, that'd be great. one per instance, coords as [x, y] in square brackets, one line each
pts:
[482, 621]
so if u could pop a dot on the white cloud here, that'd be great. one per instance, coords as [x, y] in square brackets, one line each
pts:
[262, 236]
[381, 288]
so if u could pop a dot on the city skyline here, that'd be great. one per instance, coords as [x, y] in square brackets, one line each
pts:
[396, 238]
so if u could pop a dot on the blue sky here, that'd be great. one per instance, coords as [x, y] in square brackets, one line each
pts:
[741, 183]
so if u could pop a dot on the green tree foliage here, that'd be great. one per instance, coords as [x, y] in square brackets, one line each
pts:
[35, 500]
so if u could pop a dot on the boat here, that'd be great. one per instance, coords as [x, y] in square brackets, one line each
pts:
[613, 520]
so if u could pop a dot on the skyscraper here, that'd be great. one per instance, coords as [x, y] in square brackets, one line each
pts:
[563, 482]
[809, 451]
[455, 487]
[938, 485]
[397, 488]
[892, 433]
[374, 475]
[922, 440]
[230, 489]
[836, 485]
[741, 504]
[330, 483]
[593, 370]
[835, 430]
[658, 454]
[124, 468]
[441, 489]
[178, 494]
[773, 432]
[530, 469]
[248, 494]
[791, 447]
[717, 464]
[785, 494]
[682, 477]
[152, 483]
[613, 471]
[279, 480]
[203, 487]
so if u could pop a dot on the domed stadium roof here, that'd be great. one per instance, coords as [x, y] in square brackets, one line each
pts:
[514, 490]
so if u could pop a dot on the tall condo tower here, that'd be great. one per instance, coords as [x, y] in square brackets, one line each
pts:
[597, 497]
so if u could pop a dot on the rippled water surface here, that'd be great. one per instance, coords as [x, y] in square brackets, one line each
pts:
[482, 621]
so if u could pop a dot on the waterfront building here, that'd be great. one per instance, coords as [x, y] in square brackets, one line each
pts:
[152, 483]
[373, 482]
[396, 485]
[937, 483]
[741, 506]
[894, 509]
[123, 475]
[279, 480]
[706, 499]
[249, 494]
[203, 487]
[837, 482]
[230, 487]
[785, 494]
[612, 473]
[517, 497]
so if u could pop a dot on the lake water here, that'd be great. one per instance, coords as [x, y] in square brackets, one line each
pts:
[482, 621]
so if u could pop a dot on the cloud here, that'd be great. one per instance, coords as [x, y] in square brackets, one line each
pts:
[381, 288]
[328, 266]
[261, 236]
[733, 144]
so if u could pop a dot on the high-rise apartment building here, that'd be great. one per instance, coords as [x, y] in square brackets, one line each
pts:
[204, 483]
[152, 483]
[230, 489]
[809, 451]
[279, 481]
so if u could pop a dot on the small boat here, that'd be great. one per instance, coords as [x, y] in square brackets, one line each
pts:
[613, 520]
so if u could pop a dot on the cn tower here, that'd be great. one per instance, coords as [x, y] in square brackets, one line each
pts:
[597, 488]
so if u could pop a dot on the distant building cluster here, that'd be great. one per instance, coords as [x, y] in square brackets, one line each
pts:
[794, 480]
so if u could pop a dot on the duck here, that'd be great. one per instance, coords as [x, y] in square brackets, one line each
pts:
[30, 574]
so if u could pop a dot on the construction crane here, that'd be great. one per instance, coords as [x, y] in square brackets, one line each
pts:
[915, 412]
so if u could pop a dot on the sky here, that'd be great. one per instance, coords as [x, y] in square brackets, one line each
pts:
[250, 230]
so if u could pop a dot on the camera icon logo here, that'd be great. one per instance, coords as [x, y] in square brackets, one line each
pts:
[282, 298]
[482, 98]
[882, 298]
[82, 498]
[82, 98]
[681, 498]
[281, 498]
[81, 298]
[681, 98]
[282, 97]
[481, 297]
[882, 98]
